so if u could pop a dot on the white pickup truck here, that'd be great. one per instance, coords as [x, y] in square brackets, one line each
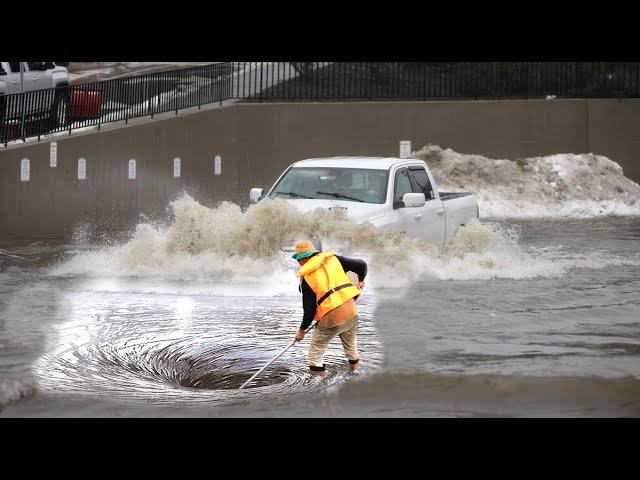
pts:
[44, 76]
[394, 193]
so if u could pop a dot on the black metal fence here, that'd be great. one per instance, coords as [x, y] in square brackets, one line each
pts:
[67, 108]
[346, 81]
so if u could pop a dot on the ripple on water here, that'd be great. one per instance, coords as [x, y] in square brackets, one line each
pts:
[163, 349]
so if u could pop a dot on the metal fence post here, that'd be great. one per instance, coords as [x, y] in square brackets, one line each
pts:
[125, 94]
[260, 82]
[22, 95]
[22, 115]
[425, 75]
[317, 69]
[198, 82]
[175, 93]
[224, 87]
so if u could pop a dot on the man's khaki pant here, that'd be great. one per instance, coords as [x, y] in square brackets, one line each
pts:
[322, 336]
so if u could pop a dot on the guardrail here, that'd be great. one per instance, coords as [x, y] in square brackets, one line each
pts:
[42, 112]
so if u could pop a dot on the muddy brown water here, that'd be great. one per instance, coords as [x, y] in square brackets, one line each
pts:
[457, 340]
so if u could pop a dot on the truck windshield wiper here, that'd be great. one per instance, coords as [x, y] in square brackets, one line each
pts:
[339, 195]
[293, 194]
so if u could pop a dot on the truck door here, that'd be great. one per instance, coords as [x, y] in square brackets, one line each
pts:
[41, 78]
[402, 218]
[14, 85]
[43, 82]
[13, 77]
[33, 81]
[429, 220]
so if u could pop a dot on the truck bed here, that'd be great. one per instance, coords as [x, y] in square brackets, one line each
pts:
[444, 196]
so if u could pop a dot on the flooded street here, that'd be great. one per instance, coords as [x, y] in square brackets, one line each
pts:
[563, 340]
[565, 345]
[532, 310]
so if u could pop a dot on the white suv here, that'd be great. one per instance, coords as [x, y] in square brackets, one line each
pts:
[37, 76]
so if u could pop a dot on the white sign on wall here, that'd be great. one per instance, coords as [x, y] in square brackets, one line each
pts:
[132, 169]
[82, 169]
[25, 170]
[176, 167]
[405, 148]
[53, 154]
[217, 165]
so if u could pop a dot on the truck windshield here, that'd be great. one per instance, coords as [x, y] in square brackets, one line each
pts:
[348, 184]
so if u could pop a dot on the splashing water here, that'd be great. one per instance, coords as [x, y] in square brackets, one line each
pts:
[562, 185]
[14, 389]
[228, 246]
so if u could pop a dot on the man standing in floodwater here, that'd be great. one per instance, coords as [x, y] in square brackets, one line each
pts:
[329, 297]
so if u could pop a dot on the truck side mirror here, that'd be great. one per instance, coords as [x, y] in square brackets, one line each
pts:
[255, 194]
[414, 199]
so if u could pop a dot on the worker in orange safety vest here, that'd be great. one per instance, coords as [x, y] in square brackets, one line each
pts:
[329, 297]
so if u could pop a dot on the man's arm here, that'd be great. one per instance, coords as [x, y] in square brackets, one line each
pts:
[355, 265]
[308, 304]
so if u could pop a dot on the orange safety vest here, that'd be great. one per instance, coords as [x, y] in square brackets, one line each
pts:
[328, 280]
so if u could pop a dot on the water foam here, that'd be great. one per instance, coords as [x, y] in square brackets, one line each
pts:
[227, 246]
[562, 185]
[14, 389]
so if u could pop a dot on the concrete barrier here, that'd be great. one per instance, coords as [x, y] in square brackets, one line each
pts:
[257, 141]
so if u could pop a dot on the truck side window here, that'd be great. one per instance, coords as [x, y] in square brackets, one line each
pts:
[36, 66]
[401, 186]
[15, 67]
[422, 181]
